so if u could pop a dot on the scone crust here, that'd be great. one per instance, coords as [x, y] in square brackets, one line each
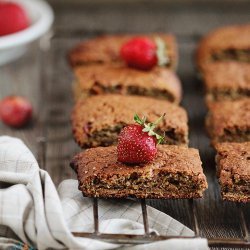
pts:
[229, 121]
[100, 79]
[101, 163]
[106, 49]
[235, 37]
[233, 168]
[107, 111]
[227, 80]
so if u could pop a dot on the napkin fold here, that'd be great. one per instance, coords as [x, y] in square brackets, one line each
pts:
[34, 212]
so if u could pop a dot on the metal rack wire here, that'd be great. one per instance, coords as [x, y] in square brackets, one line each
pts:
[149, 237]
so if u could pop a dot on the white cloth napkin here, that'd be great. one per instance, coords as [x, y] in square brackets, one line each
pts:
[33, 212]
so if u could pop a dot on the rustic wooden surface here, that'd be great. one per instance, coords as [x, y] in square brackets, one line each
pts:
[45, 78]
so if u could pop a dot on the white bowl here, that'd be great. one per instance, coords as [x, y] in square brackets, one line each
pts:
[14, 45]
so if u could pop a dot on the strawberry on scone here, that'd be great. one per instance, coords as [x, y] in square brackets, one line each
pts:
[144, 53]
[137, 142]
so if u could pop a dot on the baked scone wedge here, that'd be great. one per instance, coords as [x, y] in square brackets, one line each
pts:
[97, 79]
[233, 169]
[106, 49]
[231, 43]
[97, 120]
[175, 173]
[229, 121]
[226, 81]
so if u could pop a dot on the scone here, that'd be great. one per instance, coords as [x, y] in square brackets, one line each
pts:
[97, 79]
[98, 120]
[106, 49]
[226, 81]
[233, 168]
[175, 173]
[229, 121]
[230, 43]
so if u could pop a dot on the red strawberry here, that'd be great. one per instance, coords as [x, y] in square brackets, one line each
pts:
[13, 18]
[137, 142]
[144, 53]
[15, 111]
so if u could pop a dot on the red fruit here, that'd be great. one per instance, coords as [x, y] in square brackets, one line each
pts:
[13, 18]
[15, 111]
[137, 142]
[139, 52]
[135, 146]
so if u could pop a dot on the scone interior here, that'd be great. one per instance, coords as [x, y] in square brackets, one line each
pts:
[99, 89]
[231, 54]
[160, 83]
[233, 169]
[175, 173]
[226, 94]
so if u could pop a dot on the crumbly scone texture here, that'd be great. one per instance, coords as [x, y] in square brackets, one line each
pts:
[229, 121]
[106, 49]
[227, 81]
[99, 79]
[175, 173]
[226, 43]
[233, 168]
[97, 120]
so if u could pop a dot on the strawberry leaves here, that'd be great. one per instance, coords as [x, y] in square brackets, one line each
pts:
[162, 58]
[149, 127]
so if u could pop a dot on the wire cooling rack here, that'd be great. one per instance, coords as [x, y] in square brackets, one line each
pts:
[149, 237]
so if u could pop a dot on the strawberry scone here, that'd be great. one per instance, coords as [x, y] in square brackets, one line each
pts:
[97, 79]
[142, 51]
[176, 172]
[98, 120]
[139, 167]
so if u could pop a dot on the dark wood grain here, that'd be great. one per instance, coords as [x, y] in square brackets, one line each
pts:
[22, 77]
[46, 79]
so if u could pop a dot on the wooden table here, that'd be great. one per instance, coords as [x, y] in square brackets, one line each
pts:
[45, 78]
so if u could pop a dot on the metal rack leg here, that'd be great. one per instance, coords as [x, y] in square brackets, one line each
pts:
[243, 224]
[145, 216]
[95, 214]
[194, 217]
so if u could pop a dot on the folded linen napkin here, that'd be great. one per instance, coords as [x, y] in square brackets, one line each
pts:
[33, 212]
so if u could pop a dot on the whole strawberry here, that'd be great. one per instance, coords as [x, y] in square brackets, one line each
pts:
[137, 142]
[13, 18]
[15, 111]
[144, 53]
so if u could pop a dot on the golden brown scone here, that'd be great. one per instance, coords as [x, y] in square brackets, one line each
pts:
[227, 81]
[175, 173]
[230, 43]
[97, 79]
[98, 120]
[229, 121]
[233, 167]
[106, 49]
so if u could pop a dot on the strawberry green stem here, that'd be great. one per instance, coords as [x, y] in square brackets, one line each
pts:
[162, 57]
[149, 127]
